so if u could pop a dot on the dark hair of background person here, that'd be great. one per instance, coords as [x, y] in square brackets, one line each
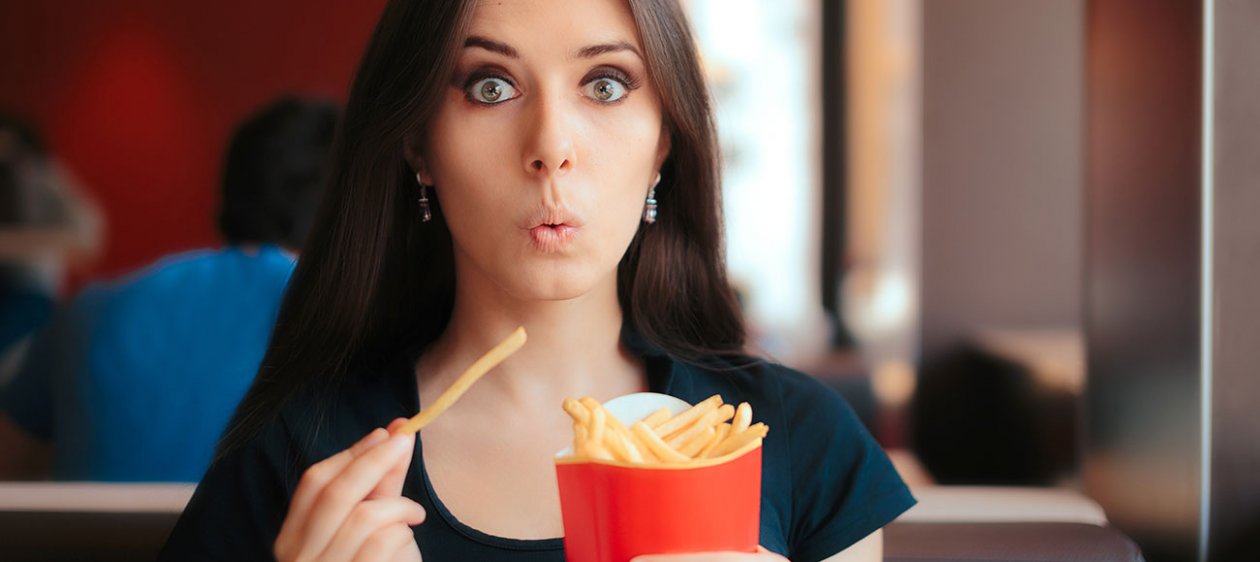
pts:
[980, 419]
[274, 171]
[374, 281]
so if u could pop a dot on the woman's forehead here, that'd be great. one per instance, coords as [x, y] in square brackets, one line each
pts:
[534, 26]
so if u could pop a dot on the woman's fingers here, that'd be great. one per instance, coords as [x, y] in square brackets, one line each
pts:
[395, 542]
[313, 482]
[347, 489]
[367, 520]
[392, 484]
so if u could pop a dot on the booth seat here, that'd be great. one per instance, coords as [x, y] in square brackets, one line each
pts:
[83, 521]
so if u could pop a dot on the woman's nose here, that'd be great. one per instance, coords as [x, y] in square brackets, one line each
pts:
[550, 150]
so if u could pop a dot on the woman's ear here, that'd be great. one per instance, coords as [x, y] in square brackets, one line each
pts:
[412, 153]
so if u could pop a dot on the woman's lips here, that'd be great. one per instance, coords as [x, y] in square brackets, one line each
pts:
[552, 238]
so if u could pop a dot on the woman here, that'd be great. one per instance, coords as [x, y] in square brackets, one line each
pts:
[545, 163]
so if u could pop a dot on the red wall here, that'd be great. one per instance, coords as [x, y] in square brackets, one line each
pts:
[139, 97]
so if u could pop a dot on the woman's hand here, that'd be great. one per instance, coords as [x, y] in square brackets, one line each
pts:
[762, 555]
[349, 507]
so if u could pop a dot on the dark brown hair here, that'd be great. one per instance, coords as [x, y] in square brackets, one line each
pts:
[374, 281]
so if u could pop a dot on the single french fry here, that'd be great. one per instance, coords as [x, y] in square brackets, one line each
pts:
[649, 457]
[598, 451]
[598, 425]
[580, 438]
[737, 440]
[697, 442]
[653, 442]
[723, 430]
[743, 417]
[576, 410]
[688, 416]
[480, 367]
[657, 418]
[706, 422]
[590, 403]
[622, 447]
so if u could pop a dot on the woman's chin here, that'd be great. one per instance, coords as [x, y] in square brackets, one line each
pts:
[550, 285]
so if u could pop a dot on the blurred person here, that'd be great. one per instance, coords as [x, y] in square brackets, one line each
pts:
[135, 379]
[47, 225]
[550, 164]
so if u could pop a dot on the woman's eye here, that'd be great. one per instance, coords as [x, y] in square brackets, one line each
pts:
[607, 90]
[491, 91]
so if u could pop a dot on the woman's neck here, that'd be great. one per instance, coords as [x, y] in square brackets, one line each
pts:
[573, 348]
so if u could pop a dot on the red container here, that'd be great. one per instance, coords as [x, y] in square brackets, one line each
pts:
[615, 511]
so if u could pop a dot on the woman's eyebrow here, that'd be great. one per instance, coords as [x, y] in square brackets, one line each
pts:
[590, 51]
[491, 45]
[593, 51]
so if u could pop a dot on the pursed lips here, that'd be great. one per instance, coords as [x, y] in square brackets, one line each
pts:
[552, 229]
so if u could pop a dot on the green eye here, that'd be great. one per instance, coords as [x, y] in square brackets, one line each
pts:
[491, 91]
[605, 90]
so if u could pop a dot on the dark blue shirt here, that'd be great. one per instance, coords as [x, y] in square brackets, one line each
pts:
[825, 482]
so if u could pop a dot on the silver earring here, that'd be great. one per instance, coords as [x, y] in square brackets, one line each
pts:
[649, 212]
[426, 214]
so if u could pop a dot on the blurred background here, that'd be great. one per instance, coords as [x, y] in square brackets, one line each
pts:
[1017, 235]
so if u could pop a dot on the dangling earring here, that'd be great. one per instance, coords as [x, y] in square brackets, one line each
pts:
[649, 212]
[426, 214]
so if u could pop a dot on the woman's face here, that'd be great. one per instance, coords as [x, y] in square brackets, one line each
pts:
[545, 145]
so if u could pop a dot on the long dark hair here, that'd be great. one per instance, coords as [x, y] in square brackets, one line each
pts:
[373, 280]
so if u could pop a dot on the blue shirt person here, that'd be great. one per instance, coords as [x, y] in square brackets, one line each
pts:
[135, 379]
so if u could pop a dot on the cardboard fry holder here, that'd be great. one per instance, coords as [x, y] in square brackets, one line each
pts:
[614, 511]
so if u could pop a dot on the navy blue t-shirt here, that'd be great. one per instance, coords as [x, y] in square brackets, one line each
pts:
[825, 482]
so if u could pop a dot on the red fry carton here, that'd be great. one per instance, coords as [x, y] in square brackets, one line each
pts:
[614, 511]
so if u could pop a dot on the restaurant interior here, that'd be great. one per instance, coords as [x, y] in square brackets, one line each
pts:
[1017, 236]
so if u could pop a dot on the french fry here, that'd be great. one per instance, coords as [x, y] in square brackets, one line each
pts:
[688, 416]
[481, 366]
[653, 442]
[707, 430]
[698, 442]
[723, 429]
[657, 418]
[737, 440]
[576, 410]
[598, 423]
[706, 422]
[595, 444]
[632, 449]
[743, 416]
[598, 451]
[623, 447]
[590, 403]
[580, 437]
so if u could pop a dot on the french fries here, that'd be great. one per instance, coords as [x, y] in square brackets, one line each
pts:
[708, 430]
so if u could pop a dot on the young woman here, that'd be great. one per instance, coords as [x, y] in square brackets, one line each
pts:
[545, 163]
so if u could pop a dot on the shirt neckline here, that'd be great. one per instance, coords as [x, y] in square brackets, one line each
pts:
[660, 371]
